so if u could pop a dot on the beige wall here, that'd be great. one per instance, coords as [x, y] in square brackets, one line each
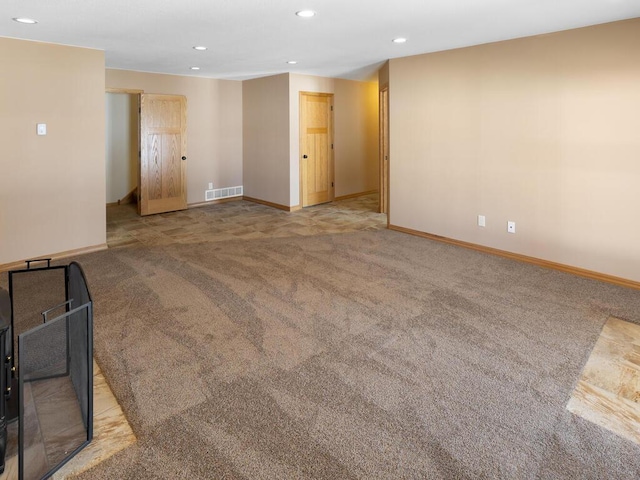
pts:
[214, 125]
[122, 145]
[355, 130]
[543, 131]
[266, 138]
[52, 188]
[383, 75]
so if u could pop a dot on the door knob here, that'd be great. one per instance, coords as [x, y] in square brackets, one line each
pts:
[304, 156]
[184, 158]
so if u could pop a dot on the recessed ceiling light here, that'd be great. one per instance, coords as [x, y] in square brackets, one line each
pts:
[292, 62]
[200, 48]
[399, 40]
[306, 13]
[194, 68]
[29, 21]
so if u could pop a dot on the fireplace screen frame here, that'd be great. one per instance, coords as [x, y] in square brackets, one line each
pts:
[69, 339]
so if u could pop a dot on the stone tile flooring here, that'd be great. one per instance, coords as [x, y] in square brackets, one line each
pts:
[111, 433]
[608, 392]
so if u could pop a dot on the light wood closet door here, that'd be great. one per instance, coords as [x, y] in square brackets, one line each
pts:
[163, 154]
[316, 148]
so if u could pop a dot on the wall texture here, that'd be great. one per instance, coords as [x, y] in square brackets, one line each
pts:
[383, 75]
[52, 188]
[214, 124]
[543, 131]
[266, 138]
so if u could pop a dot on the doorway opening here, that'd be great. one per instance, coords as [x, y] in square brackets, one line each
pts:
[122, 136]
[149, 173]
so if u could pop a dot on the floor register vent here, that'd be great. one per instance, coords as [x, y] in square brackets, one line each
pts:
[220, 193]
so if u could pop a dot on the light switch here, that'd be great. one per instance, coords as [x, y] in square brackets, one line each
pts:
[42, 129]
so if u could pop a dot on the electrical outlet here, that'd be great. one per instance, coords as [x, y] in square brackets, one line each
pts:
[481, 221]
[511, 227]
[210, 185]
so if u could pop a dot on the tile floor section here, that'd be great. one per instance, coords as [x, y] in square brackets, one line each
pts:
[608, 392]
[111, 433]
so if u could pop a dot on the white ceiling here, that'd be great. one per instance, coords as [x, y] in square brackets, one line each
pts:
[252, 38]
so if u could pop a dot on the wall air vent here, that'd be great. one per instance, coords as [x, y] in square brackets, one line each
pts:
[220, 193]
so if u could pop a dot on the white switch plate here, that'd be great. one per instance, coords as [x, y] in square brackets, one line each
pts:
[42, 129]
[481, 221]
[210, 185]
[511, 227]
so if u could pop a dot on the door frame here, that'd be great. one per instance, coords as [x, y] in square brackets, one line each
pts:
[331, 166]
[384, 150]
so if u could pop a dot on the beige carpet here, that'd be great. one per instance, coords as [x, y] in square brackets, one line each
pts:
[354, 355]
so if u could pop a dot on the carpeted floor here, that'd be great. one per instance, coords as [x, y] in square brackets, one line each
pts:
[369, 354]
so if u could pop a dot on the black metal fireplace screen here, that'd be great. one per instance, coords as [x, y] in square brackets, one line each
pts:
[46, 341]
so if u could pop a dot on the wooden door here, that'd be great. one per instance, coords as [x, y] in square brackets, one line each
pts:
[384, 151]
[316, 148]
[163, 154]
